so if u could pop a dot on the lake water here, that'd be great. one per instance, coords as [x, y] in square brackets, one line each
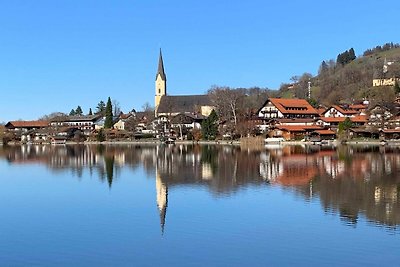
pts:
[148, 205]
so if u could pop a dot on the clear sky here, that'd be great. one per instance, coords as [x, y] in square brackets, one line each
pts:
[56, 55]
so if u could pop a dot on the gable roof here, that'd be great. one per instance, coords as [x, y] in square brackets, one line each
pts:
[26, 124]
[185, 118]
[341, 110]
[342, 119]
[76, 118]
[299, 128]
[183, 103]
[293, 106]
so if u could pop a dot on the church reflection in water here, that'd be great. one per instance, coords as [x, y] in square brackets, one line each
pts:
[348, 181]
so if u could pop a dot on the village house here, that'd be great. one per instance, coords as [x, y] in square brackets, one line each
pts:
[122, 119]
[86, 124]
[337, 111]
[281, 111]
[333, 122]
[24, 126]
[385, 81]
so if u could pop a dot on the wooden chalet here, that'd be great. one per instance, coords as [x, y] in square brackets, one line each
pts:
[290, 132]
[24, 126]
[390, 134]
[333, 122]
[337, 111]
[275, 108]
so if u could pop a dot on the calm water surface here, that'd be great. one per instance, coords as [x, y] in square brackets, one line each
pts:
[178, 205]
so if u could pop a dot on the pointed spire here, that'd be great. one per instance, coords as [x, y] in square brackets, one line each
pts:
[161, 68]
[163, 213]
[162, 200]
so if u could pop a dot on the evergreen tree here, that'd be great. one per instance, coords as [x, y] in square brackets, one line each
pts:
[352, 54]
[101, 108]
[323, 67]
[72, 112]
[397, 88]
[108, 123]
[90, 112]
[79, 111]
[345, 126]
[100, 137]
[209, 127]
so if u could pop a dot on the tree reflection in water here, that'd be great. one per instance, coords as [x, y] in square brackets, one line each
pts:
[348, 181]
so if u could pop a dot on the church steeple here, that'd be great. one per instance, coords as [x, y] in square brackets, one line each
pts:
[162, 199]
[160, 70]
[161, 83]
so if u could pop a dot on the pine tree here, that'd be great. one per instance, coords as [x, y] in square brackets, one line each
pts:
[101, 107]
[90, 112]
[79, 111]
[209, 127]
[352, 54]
[72, 112]
[108, 123]
[397, 87]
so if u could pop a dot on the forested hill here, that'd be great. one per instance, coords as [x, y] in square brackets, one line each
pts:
[349, 78]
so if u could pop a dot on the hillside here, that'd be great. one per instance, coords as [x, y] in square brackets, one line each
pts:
[350, 82]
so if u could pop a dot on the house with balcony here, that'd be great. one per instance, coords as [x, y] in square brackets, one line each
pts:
[282, 111]
[86, 124]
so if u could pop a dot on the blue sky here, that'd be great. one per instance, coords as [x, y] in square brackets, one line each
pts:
[56, 55]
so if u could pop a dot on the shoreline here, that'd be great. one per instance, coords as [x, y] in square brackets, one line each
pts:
[220, 142]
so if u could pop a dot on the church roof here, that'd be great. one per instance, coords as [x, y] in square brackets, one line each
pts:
[183, 103]
[160, 69]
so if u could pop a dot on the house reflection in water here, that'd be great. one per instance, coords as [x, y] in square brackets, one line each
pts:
[348, 181]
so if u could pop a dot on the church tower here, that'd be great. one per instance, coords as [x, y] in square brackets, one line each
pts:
[161, 82]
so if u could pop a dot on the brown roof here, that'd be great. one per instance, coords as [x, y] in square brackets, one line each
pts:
[391, 131]
[325, 132]
[341, 119]
[299, 128]
[360, 118]
[27, 124]
[294, 120]
[358, 106]
[344, 111]
[183, 103]
[293, 106]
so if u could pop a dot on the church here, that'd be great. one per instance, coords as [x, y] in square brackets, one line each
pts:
[172, 105]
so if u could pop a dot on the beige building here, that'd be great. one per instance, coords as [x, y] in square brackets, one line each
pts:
[167, 105]
[385, 82]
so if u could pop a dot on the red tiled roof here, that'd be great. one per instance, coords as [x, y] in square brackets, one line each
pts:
[344, 111]
[294, 120]
[358, 106]
[333, 119]
[341, 119]
[360, 118]
[300, 128]
[293, 106]
[321, 110]
[27, 124]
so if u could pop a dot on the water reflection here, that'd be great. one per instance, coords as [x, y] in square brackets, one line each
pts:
[348, 181]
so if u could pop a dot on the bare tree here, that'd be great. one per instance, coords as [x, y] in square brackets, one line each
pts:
[117, 107]
[52, 116]
[227, 102]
